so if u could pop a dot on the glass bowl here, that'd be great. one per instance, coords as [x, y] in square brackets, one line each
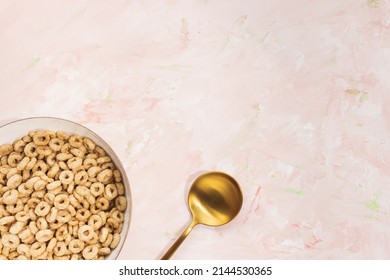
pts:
[17, 129]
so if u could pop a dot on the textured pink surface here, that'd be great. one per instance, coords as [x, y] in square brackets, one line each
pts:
[290, 97]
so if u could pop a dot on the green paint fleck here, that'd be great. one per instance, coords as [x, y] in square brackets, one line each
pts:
[173, 88]
[359, 185]
[37, 59]
[296, 192]
[363, 97]
[372, 205]
[373, 3]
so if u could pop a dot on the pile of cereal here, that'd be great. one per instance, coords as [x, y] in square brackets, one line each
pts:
[61, 197]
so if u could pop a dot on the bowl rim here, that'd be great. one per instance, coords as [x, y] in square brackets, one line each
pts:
[119, 164]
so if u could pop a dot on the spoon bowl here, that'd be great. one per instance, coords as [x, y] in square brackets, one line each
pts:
[214, 199]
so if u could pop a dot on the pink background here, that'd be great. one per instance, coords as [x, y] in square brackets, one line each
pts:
[290, 97]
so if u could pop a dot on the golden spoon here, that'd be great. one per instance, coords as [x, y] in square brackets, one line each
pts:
[214, 199]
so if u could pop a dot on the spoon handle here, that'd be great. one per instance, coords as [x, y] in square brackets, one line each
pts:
[178, 242]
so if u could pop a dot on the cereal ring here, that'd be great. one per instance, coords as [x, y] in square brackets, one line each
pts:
[44, 150]
[33, 227]
[102, 160]
[23, 249]
[63, 216]
[24, 191]
[31, 182]
[93, 209]
[22, 216]
[54, 169]
[26, 174]
[77, 152]
[85, 233]
[100, 151]
[16, 207]
[89, 162]
[56, 144]
[51, 159]
[90, 252]
[76, 246]
[105, 176]
[89, 144]
[42, 256]
[10, 197]
[104, 251]
[16, 227]
[93, 171]
[37, 248]
[103, 234]
[40, 166]
[118, 215]
[30, 165]
[93, 240]
[110, 191]
[64, 156]
[10, 240]
[108, 241]
[66, 177]
[7, 220]
[70, 188]
[117, 176]
[97, 189]
[83, 191]
[121, 188]
[90, 199]
[83, 214]
[49, 198]
[95, 221]
[56, 224]
[62, 135]
[11, 172]
[32, 214]
[65, 149]
[51, 217]
[74, 162]
[5, 150]
[115, 240]
[71, 210]
[44, 235]
[76, 141]
[41, 223]
[3, 160]
[102, 203]
[14, 159]
[41, 138]
[40, 185]
[119, 228]
[108, 165]
[18, 145]
[81, 177]
[38, 194]
[53, 185]
[113, 222]
[14, 181]
[62, 232]
[103, 215]
[23, 163]
[61, 201]
[42, 209]
[74, 202]
[30, 150]
[121, 203]
[52, 243]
